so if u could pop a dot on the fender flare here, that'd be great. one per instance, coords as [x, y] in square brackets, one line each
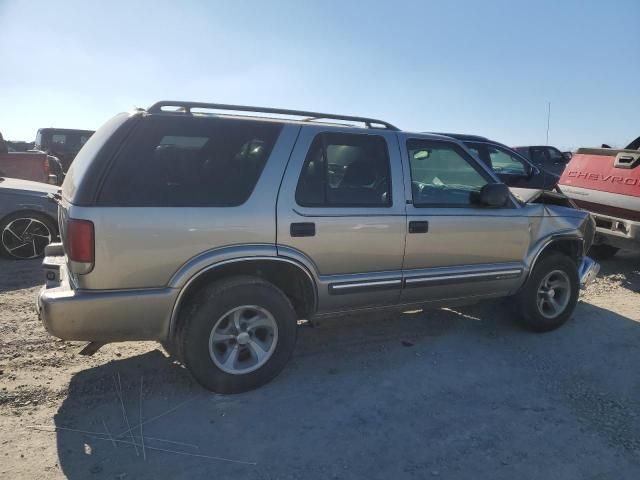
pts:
[184, 289]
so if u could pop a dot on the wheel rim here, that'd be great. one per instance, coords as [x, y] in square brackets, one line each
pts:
[243, 339]
[25, 238]
[553, 294]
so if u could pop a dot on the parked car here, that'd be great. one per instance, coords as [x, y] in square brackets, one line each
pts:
[510, 166]
[35, 166]
[27, 218]
[63, 143]
[547, 158]
[214, 233]
[606, 182]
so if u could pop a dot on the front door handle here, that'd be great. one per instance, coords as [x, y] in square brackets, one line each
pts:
[418, 227]
[303, 229]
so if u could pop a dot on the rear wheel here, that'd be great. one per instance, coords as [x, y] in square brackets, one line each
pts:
[550, 295]
[602, 251]
[239, 335]
[25, 235]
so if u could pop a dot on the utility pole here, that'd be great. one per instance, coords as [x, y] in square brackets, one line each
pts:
[548, 120]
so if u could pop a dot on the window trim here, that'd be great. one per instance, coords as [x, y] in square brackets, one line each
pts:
[466, 156]
[328, 205]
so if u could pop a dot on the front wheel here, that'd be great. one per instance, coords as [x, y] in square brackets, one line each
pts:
[239, 335]
[550, 295]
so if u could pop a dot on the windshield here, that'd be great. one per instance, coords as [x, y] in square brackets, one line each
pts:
[67, 141]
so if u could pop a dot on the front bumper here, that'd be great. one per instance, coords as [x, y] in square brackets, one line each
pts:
[617, 232]
[101, 316]
[588, 271]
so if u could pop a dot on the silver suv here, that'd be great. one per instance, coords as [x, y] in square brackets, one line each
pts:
[215, 228]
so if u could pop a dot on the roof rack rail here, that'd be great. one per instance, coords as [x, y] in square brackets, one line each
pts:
[309, 116]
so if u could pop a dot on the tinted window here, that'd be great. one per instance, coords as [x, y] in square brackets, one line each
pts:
[539, 156]
[442, 174]
[343, 170]
[190, 161]
[504, 162]
[555, 155]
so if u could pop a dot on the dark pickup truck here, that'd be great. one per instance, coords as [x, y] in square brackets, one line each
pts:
[546, 157]
[63, 143]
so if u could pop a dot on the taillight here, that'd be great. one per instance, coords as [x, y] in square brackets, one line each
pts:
[80, 245]
[45, 168]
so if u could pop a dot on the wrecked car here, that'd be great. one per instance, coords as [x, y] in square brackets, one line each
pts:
[606, 182]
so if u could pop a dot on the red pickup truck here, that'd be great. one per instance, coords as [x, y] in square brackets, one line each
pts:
[33, 165]
[606, 182]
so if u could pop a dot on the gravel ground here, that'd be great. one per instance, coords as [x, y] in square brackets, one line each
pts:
[453, 393]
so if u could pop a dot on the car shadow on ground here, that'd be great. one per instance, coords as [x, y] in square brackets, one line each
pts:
[19, 274]
[461, 392]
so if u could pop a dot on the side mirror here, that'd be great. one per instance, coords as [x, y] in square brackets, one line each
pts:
[492, 195]
[567, 155]
[53, 179]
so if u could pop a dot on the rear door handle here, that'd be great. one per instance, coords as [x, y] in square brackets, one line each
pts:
[418, 227]
[303, 229]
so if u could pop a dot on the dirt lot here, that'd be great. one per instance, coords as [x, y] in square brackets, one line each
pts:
[449, 393]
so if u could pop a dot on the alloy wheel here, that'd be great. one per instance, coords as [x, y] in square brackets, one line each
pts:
[554, 293]
[243, 339]
[26, 238]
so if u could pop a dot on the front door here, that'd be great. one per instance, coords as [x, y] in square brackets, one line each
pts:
[455, 247]
[341, 207]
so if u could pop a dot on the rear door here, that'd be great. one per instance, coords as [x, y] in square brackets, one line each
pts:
[455, 248]
[341, 208]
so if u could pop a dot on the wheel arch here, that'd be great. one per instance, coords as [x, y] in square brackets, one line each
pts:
[31, 210]
[571, 245]
[291, 277]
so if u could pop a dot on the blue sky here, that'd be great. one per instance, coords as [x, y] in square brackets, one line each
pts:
[485, 67]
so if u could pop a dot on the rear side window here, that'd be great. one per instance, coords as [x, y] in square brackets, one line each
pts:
[190, 161]
[345, 170]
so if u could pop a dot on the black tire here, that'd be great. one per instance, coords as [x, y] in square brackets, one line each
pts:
[46, 225]
[210, 307]
[529, 312]
[602, 251]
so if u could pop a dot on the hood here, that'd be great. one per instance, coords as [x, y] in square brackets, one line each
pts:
[545, 197]
[26, 186]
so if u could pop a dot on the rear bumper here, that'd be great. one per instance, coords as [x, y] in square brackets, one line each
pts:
[588, 271]
[101, 316]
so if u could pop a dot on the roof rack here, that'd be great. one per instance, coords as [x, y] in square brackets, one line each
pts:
[308, 116]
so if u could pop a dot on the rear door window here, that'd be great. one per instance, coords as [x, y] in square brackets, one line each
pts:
[345, 170]
[504, 162]
[190, 161]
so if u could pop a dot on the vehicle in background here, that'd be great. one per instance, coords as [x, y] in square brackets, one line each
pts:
[511, 167]
[19, 146]
[63, 143]
[215, 231]
[548, 158]
[32, 165]
[27, 218]
[606, 182]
